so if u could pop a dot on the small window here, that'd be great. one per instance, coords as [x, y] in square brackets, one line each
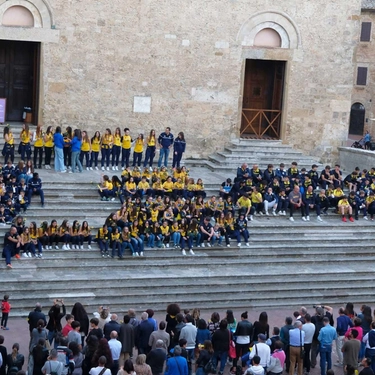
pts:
[365, 32]
[361, 76]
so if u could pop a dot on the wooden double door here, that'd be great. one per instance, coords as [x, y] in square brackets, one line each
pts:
[19, 76]
[263, 98]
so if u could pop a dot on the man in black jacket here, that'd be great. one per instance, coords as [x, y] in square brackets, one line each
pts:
[244, 332]
[34, 316]
[156, 358]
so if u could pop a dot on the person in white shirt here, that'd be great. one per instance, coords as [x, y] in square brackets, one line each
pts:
[101, 370]
[115, 347]
[189, 333]
[262, 350]
[309, 329]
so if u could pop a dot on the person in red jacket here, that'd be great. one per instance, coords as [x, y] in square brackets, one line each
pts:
[5, 310]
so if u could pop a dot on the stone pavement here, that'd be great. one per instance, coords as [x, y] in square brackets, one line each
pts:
[19, 328]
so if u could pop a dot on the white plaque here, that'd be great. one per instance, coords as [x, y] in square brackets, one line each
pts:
[142, 104]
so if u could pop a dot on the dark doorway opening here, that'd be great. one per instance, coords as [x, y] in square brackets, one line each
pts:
[357, 119]
[19, 77]
[263, 99]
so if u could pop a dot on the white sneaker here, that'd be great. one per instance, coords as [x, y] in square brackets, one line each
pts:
[97, 168]
[365, 218]
[191, 252]
[150, 169]
[90, 168]
[281, 213]
[29, 255]
[73, 247]
[113, 168]
[64, 247]
[208, 244]
[261, 213]
[141, 253]
[291, 219]
[202, 244]
[284, 213]
[68, 247]
[64, 171]
[89, 247]
[308, 218]
[247, 244]
[103, 169]
[107, 168]
[303, 218]
[137, 254]
[267, 214]
[122, 168]
[183, 252]
[69, 167]
[251, 217]
[274, 213]
[56, 247]
[228, 245]
[319, 218]
[167, 245]
[24, 255]
[81, 247]
[239, 244]
[133, 255]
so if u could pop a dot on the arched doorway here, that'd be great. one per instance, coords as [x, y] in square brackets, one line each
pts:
[357, 119]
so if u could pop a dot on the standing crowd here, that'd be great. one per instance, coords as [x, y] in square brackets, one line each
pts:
[186, 344]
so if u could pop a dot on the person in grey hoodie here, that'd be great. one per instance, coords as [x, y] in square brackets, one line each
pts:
[189, 333]
[255, 368]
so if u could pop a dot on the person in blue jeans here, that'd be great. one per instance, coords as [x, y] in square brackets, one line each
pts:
[76, 144]
[12, 242]
[220, 343]
[165, 141]
[326, 335]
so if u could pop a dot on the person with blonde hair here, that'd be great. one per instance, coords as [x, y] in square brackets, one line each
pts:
[141, 367]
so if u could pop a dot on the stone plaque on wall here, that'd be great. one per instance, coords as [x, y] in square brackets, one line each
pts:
[142, 104]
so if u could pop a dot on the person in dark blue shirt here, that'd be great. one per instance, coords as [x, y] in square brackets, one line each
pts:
[165, 141]
[35, 188]
[179, 146]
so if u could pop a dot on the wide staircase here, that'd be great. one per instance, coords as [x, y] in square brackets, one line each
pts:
[261, 152]
[286, 265]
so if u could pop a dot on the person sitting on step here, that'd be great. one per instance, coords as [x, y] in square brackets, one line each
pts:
[345, 208]
[35, 188]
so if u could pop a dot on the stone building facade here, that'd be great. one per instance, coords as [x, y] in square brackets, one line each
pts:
[149, 64]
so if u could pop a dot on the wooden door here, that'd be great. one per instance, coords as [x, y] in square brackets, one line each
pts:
[262, 98]
[18, 80]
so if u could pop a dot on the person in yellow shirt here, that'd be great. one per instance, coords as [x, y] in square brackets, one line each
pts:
[53, 234]
[95, 148]
[178, 189]
[245, 206]
[126, 145]
[38, 146]
[48, 147]
[345, 207]
[143, 188]
[85, 150]
[157, 188]
[102, 238]
[168, 187]
[116, 149]
[24, 147]
[8, 150]
[166, 233]
[107, 143]
[105, 189]
[130, 188]
[257, 200]
[199, 189]
[138, 150]
[150, 150]
[370, 204]
[115, 243]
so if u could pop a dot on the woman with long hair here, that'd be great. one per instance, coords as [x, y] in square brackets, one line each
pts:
[151, 149]
[88, 352]
[138, 150]
[40, 332]
[261, 326]
[77, 358]
[55, 316]
[179, 146]
[75, 145]
[25, 148]
[95, 148]
[205, 356]
[107, 142]
[40, 356]
[58, 141]
[8, 150]
[116, 149]
[48, 147]
[38, 146]
[103, 349]
[15, 360]
[80, 315]
[85, 150]
[67, 150]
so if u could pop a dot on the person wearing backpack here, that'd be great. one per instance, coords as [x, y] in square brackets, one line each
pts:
[204, 364]
[369, 340]
[53, 366]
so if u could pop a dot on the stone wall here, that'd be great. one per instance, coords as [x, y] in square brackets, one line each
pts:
[350, 158]
[188, 58]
